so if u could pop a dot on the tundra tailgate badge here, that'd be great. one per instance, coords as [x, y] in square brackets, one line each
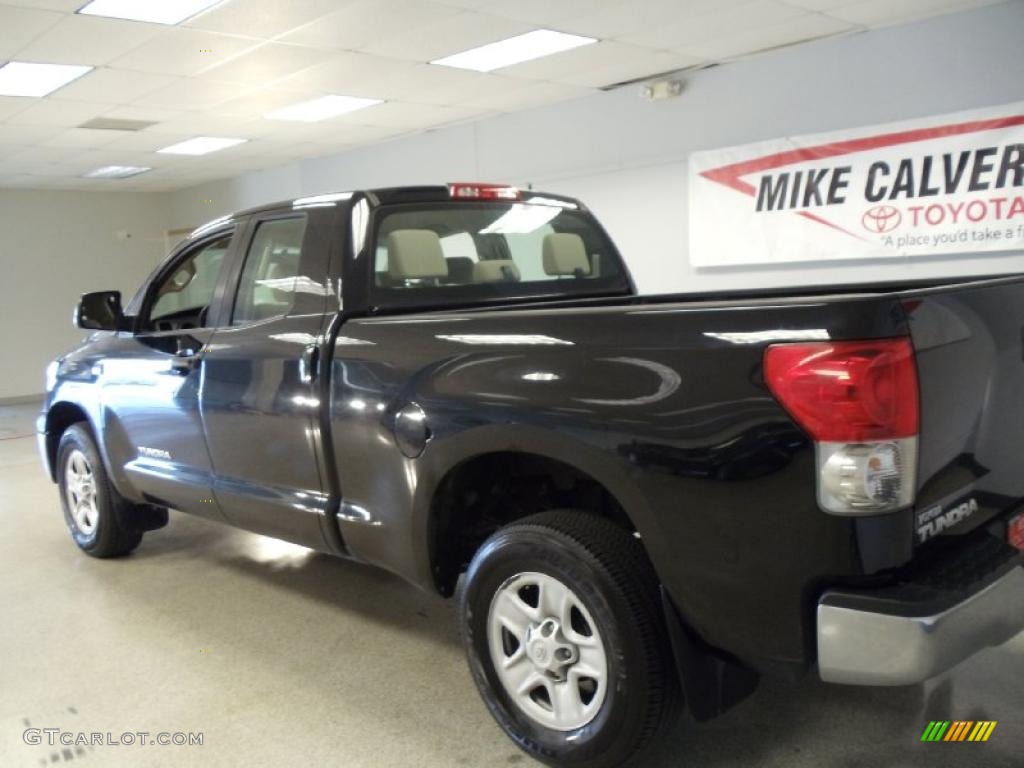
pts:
[935, 520]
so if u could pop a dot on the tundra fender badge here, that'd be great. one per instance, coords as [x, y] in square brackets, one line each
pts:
[935, 520]
[153, 453]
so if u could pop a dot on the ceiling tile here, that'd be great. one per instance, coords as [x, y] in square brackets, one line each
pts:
[180, 51]
[820, 5]
[398, 114]
[80, 137]
[529, 96]
[436, 39]
[58, 113]
[191, 93]
[589, 60]
[268, 62]
[88, 40]
[460, 90]
[113, 86]
[620, 18]
[20, 26]
[26, 134]
[360, 22]
[643, 63]
[353, 74]
[38, 155]
[542, 13]
[67, 6]
[12, 105]
[773, 36]
[148, 114]
[266, 18]
[876, 13]
[147, 141]
[210, 124]
[721, 22]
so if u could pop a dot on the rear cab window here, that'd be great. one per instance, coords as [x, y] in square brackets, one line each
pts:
[441, 254]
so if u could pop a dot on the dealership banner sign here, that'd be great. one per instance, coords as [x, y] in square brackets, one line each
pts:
[945, 185]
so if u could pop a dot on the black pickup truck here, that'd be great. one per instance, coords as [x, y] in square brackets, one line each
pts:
[649, 501]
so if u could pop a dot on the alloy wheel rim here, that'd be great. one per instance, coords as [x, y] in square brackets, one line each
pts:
[547, 651]
[80, 491]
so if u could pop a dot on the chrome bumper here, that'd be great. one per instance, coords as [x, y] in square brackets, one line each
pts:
[863, 647]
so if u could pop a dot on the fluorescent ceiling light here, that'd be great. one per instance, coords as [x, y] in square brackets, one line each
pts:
[321, 109]
[116, 172]
[156, 11]
[505, 53]
[200, 145]
[20, 78]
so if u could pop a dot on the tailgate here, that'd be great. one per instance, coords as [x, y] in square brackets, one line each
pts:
[969, 341]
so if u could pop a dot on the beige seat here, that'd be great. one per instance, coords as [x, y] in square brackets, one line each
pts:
[415, 254]
[495, 271]
[565, 254]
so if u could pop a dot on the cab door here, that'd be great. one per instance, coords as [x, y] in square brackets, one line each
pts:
[260, 402]
[152, 379]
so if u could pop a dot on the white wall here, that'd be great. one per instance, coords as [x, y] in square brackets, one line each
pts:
[626, 158]
[54, 246]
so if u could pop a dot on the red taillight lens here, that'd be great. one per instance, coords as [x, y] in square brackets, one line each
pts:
[469, 191]
[847, 391]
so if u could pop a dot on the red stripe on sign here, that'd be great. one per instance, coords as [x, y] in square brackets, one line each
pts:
[729, 175]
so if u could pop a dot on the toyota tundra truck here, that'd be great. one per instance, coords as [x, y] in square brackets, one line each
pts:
[642, 503]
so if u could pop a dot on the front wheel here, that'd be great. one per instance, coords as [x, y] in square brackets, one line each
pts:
[92, 507]
[566, 642]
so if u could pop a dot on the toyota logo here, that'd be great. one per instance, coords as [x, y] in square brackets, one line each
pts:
[881, 219]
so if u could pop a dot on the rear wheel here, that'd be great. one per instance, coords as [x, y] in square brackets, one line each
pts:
[566, 641]
[96, 515]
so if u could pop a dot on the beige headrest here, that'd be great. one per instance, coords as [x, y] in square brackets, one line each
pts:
[415, 254]
[564, 253]
[495, 271]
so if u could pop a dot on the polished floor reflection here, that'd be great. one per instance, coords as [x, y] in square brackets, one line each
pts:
[280, 656]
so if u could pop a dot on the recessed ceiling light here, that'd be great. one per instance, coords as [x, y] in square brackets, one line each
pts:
[156, 11]
[505, 53]
[200, 145]
[321, 109]
[20, 78]
[116, 172]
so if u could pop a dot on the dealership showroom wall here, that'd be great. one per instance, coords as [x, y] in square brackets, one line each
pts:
[419, 437]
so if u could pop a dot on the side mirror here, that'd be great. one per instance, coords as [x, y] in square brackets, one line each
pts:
[100, 311]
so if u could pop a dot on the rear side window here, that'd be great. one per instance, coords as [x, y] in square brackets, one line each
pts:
[270, 277]
[441, 253]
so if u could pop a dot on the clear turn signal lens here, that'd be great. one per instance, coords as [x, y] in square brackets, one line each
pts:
[867, 478]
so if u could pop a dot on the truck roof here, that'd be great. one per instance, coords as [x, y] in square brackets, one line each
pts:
[387, 195]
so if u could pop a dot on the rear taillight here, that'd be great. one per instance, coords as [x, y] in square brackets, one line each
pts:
[470, 191]
[858, 400]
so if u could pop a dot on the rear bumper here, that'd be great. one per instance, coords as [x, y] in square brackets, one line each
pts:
[896, 638]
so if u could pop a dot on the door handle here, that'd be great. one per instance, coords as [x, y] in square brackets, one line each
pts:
[309, 363]
[184, 361]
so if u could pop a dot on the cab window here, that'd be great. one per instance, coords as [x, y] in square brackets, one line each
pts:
[271, 277]
[182, 298]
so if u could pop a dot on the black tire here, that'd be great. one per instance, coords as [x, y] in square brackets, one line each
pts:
[107, 535]
[610, 574]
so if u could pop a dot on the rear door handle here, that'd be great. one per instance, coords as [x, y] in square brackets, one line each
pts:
[309, 363]
[184, 361]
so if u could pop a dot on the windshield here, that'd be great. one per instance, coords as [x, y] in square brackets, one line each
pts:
[450, 253]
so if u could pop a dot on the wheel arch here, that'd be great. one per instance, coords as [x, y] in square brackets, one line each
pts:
[547, 465]
[59, 417]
